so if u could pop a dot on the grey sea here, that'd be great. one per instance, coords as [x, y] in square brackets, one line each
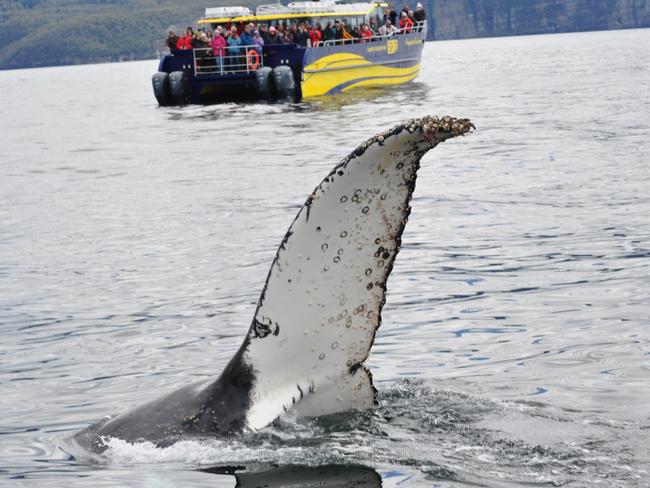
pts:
[515, 345]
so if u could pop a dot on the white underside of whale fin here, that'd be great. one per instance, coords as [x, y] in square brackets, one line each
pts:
[350, 391]
[321, 305]
[353, 391]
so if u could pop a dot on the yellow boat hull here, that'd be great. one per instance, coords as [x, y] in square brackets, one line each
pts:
[340, 68]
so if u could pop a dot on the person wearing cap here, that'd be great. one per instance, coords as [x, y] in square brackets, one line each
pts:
[405, 23]
[419, 15]
[264, 33]
[273, 37]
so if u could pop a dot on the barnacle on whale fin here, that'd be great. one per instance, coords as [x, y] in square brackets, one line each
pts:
[435, 129]
[446, 125]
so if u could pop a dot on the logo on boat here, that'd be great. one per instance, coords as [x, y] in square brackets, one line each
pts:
[392, 46]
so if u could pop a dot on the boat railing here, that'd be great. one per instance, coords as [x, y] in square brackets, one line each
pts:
[227, 60]
[417, 27]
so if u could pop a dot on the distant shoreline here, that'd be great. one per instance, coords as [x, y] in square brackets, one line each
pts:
[154, 58]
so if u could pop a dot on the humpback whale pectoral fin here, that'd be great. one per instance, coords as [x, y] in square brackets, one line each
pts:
[321, 305]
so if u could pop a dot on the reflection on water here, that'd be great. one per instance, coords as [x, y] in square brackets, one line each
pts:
[514, 349]
[289, 476]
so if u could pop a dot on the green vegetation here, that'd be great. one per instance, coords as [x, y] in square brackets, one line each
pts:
[54, 32]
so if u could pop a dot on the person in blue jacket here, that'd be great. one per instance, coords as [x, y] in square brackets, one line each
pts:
[234, 49]
[247, 35]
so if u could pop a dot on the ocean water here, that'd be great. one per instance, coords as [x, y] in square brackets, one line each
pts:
[515, 345]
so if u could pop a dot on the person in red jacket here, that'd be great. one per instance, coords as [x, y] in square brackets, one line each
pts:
[405, 23]
[185, 42]
[366, 33]
[315, 35]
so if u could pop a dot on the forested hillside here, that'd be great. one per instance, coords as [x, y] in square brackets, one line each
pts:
[55, 32]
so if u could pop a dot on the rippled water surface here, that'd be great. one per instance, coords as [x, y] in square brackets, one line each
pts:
[515, 345]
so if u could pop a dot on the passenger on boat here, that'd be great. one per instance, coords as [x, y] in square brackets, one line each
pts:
[281, 32]
[171, 41]
[405, 23]
[234, 47]
[419, 15]
[200, 41]
[274, 37]
[201, 44]
[293, 30]
[258, 42]
[288, 35]
[264, 33]
[337, 29]
[247, 35]
[346, 34]
[329, 34]
[315, 35]
[185, 42]
[373, 27]
[366, 33]
[301, 35]
[218, 43]
[392, 16]
[388, 29]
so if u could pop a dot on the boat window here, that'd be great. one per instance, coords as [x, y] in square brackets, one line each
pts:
[355, 21]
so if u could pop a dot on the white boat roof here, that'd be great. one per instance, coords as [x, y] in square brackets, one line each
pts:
[293, 9]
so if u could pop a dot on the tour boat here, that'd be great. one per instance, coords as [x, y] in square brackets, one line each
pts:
[290, 71]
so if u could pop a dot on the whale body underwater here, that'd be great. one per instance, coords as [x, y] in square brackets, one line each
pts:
[319, 310]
